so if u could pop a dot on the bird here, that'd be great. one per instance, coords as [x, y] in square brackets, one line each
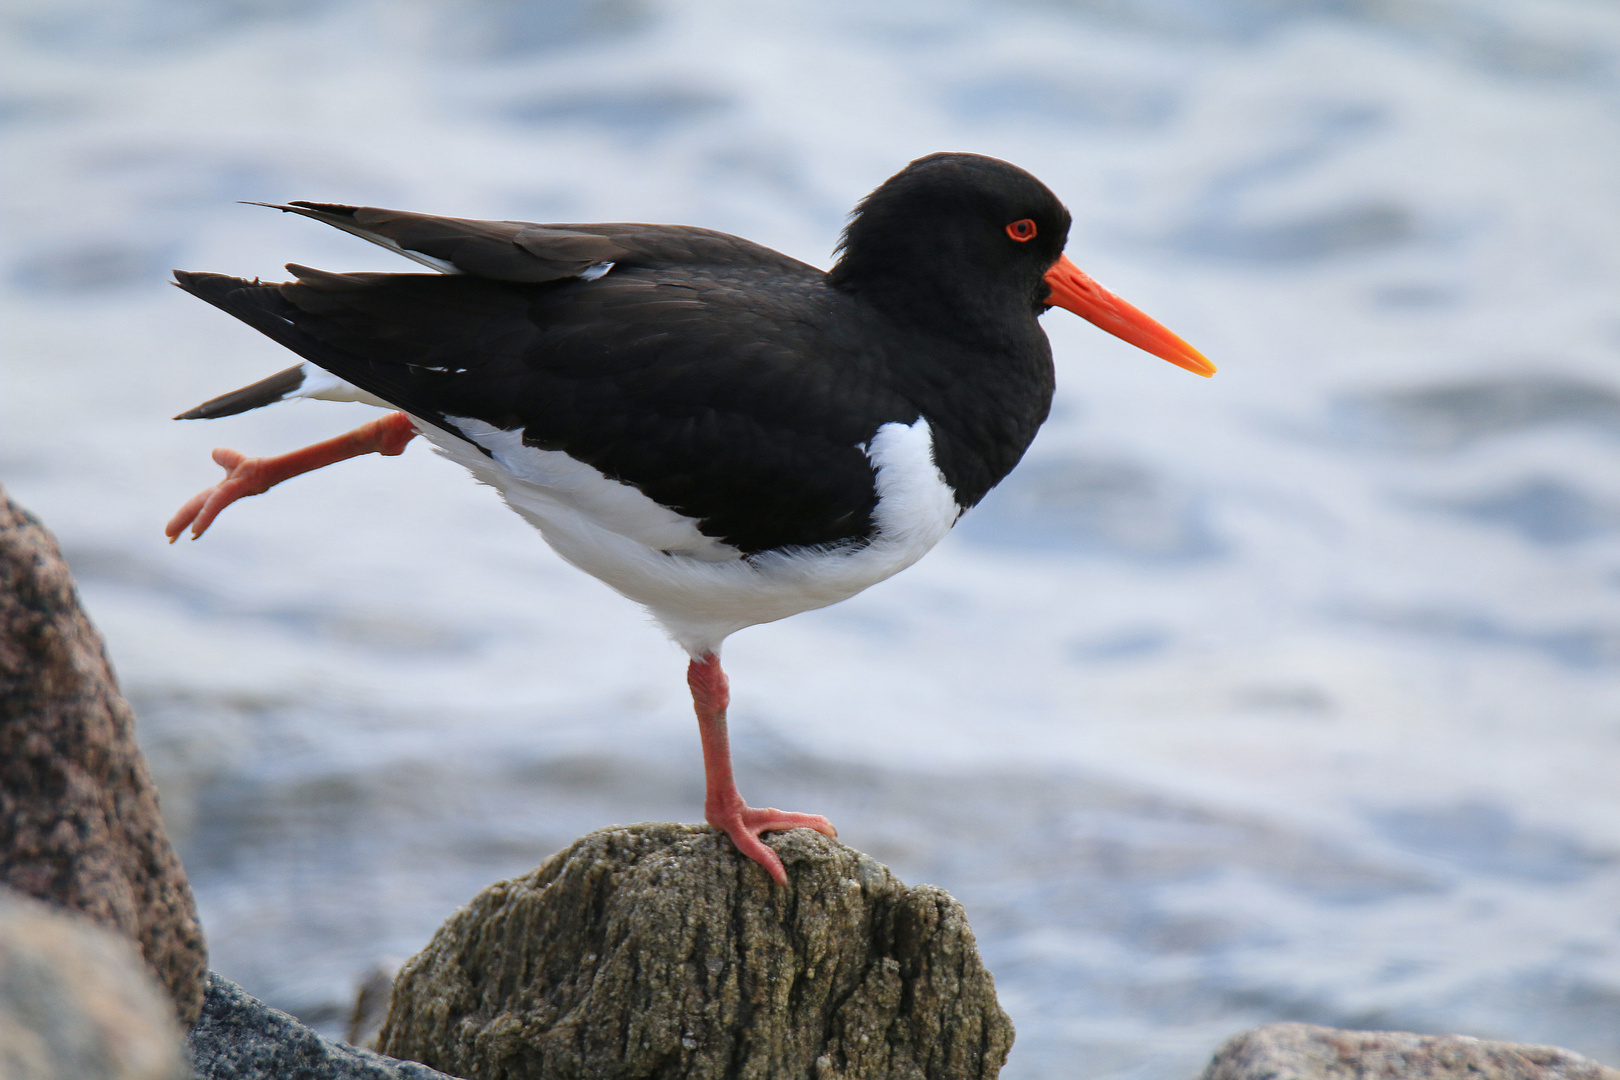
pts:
[719, 432]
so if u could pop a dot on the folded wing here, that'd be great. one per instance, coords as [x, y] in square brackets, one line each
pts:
[692, 387]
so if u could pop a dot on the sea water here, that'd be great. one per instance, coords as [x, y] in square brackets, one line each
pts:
[1291, 694]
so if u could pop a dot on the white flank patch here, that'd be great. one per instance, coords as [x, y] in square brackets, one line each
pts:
[322, 385]
[536, 481]
[916, 507]
[699, 589]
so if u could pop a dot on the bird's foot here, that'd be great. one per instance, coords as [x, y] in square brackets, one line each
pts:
[744, 824]
[244, 476]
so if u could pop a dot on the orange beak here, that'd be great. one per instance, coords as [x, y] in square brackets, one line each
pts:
[1073, 290]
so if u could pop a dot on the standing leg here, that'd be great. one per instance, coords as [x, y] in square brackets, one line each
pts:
[246, 476]
[723, 805]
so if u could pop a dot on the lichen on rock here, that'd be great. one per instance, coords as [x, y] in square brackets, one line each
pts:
[656, 950]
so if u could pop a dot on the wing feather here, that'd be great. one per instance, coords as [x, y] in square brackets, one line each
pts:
[713, 395]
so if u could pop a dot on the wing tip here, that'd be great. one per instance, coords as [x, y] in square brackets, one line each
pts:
[325, 208]
[299, 206]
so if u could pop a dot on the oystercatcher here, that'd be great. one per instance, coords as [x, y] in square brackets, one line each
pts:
[723, 434]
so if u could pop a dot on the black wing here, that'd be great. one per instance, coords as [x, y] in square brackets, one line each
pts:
[719, 387]
[501, 250]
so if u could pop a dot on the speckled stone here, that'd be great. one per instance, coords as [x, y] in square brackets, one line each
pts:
[79, 821]
[77, 1002]
[239, 1037]
[658, 951]
[1308, 1052]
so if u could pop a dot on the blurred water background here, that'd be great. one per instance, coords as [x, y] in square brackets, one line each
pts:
[1286, 695]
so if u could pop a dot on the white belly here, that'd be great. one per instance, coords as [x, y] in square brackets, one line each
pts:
[699, 589]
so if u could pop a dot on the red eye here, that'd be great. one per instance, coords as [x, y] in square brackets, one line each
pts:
[1022, 230]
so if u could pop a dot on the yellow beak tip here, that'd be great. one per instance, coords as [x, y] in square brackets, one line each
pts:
[1196, 363]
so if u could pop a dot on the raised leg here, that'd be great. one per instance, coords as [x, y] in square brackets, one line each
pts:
[246, 476]
[723, 805]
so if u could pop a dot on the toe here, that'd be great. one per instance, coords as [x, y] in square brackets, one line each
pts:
[750, 845]
[771, 820]
[186, 515]
[744, 824]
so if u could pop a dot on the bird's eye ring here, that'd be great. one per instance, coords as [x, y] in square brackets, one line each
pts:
[1021, 230]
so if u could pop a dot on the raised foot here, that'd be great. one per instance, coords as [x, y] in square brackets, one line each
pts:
[244, 476]
[745, 823]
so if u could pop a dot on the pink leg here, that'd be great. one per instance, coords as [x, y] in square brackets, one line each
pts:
[723, 805]
[246, 476]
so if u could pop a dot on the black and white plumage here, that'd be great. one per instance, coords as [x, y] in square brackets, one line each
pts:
[724, 434]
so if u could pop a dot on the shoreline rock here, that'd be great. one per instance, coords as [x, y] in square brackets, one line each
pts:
[1309, 1052]
[77, 1001]
[79, 819]
[239, 1037]
[657, 950]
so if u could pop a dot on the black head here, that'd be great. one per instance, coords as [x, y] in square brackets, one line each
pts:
[961, 239]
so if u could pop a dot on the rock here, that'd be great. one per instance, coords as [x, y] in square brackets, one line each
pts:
[239, 1037]
[79, 822]
[657, 950]
[371, 1005]
[1308, 1052]
[77, 1002]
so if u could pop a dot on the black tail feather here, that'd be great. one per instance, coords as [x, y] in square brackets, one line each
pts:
[258, 305]
[267, 309]
[264, 392]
